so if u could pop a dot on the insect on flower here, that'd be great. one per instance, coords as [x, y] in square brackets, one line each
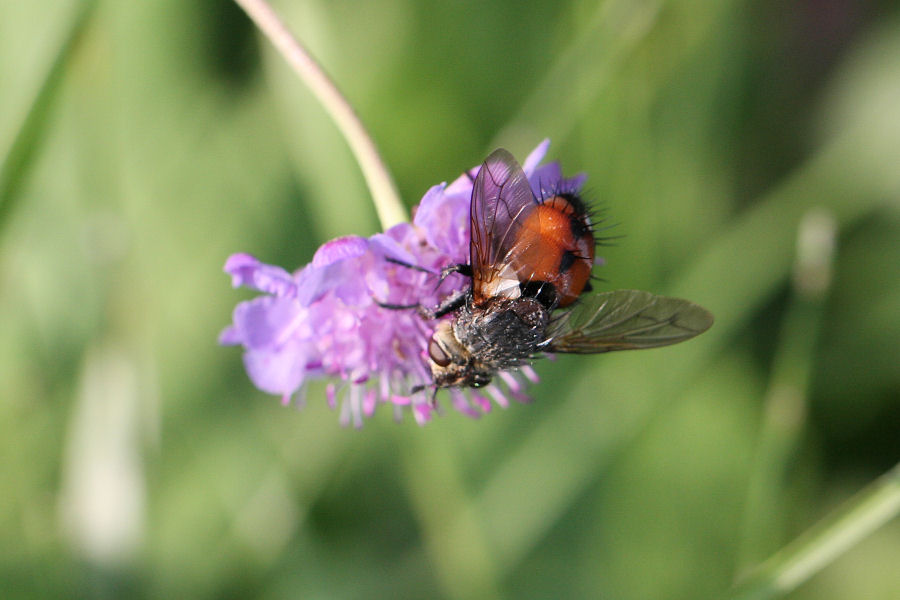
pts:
[513, 249]
[530, 262]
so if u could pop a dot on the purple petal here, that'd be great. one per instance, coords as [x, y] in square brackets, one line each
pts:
[497, 394]
[369, 401]
[241, 266]
[461, 403]
[536, 156]
[545, 180]
[530, 374]
[462, 185]
[389, 244]
[338, 267]
[339, 249]
[230, 336]
[483, 403]
[312, 284]
[445, 219]
[422, 412]
[276, 372]
[266, 321]
[248, 271]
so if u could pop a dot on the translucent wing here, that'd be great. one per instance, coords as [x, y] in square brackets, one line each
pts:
[626, 320]
[501, 197]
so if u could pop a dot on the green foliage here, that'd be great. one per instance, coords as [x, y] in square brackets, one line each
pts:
[143, 142]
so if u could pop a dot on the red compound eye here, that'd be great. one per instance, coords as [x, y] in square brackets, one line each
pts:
[437, 353]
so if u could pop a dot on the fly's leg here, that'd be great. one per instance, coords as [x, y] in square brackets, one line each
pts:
[431, 401]
[464, 270]
[450, 304]
[402, 263]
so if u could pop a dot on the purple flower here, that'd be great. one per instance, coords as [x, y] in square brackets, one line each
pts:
[324, 320]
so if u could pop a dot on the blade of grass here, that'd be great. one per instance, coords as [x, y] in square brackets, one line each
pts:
[808, 554]
[27, 141]
[784, 413]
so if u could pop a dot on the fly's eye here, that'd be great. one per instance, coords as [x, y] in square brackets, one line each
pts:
[437, 353]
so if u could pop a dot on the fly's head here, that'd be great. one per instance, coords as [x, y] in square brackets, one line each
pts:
[452, 364]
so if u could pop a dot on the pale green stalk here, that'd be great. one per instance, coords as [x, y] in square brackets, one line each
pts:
[801, 559]
[381, 185]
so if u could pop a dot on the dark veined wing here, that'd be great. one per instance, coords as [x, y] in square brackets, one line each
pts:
[501, 197]
[626, 320]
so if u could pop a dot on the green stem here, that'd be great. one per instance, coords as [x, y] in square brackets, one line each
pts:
[801, 559]
[381, 185]
[25, 144]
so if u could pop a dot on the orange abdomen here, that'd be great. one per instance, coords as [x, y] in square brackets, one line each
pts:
[555, 244]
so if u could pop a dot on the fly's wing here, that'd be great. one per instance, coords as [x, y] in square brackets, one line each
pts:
[501, 198]
[626, 320]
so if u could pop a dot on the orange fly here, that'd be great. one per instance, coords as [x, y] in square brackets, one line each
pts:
[530, 262]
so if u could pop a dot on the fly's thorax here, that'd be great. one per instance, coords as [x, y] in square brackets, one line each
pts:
[502, 329]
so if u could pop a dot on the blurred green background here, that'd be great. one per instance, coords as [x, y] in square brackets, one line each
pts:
[143, 142]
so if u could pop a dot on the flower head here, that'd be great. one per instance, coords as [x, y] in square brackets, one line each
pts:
[327, 319]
